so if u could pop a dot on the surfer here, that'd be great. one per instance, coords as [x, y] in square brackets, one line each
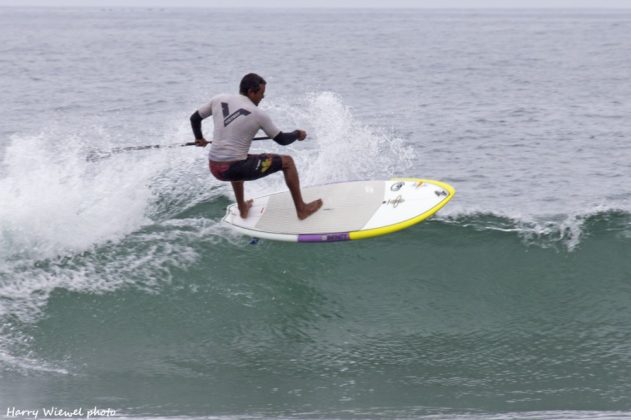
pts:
[237, 118]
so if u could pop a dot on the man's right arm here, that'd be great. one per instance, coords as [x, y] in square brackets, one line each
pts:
[196, 122]
[196, 125]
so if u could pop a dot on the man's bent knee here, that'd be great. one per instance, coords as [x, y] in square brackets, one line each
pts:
[288, 161]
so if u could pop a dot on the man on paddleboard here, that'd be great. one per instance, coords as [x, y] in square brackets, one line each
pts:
[237, 118]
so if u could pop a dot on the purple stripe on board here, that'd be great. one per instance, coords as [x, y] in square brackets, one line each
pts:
[324, 237]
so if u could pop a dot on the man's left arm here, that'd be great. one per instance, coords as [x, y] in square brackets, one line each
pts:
[279, 137]
[285, 139]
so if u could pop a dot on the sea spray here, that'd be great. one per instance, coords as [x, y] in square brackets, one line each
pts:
[339, 147]
[55, 202]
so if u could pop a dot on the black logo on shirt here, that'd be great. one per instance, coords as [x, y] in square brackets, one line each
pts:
[228, 117]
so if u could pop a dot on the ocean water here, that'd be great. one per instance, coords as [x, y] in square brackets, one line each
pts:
[120, 289]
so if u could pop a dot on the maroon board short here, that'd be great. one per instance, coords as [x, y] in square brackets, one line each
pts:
[254, 167]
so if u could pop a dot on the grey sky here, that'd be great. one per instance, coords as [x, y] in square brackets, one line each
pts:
[570, 4]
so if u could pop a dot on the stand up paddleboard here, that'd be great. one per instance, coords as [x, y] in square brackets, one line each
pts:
[351, 210]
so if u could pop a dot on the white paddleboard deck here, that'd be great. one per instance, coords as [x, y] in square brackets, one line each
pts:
[351, 210]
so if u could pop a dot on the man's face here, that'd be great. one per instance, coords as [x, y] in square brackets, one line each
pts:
[258, 96]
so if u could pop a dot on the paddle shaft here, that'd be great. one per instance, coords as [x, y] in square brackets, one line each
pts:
[170, 146]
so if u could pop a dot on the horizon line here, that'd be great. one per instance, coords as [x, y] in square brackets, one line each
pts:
[28, 6]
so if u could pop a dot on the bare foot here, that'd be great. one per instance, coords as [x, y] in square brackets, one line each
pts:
[309, 209]
[243, 210]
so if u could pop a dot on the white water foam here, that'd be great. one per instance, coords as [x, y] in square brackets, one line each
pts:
[55, 202]
[58, 201]
[63, 214]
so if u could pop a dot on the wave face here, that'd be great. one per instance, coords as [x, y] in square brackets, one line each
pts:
[471, 306]
[120, 287]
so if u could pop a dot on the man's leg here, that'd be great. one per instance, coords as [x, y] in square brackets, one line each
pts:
[303, 210]
[244, 206]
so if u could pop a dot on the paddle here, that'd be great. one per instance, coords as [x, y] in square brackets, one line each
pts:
[152, 146]
[169, 146]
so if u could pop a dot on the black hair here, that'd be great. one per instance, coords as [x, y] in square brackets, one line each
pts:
[251, 81]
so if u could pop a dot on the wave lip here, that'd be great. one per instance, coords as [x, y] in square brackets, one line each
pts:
[565, 230]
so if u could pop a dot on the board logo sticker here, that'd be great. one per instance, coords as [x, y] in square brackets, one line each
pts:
[397, 186]
[441, 193]
[394, 203]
